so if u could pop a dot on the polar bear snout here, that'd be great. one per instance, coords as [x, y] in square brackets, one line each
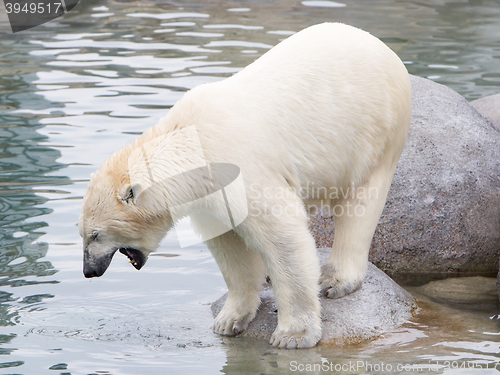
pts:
[95, 265]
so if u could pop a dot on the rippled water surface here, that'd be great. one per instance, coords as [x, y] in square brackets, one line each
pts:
[76, 89]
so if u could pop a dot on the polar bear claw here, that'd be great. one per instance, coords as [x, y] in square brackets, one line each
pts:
[283, 340]
[229, 323]
[333, 286]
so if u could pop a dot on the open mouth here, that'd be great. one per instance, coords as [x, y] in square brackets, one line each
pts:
[137, 259]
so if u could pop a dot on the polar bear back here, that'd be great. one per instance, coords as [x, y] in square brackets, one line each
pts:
[327, 102]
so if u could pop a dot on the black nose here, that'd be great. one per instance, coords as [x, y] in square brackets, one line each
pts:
[88, 275]
[89, 272]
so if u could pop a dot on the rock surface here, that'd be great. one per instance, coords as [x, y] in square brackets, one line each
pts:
[380, 306]
[498, 280]
[489, 106]
[442, 214]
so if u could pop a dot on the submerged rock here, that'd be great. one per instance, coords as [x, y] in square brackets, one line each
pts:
[442, 214]
[475, 293]
[380, 306]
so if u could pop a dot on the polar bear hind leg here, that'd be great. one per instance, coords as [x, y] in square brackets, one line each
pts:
[345, 269]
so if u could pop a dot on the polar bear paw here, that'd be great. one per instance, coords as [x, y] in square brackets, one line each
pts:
[230, 323]
[301, 340]
[333, 286]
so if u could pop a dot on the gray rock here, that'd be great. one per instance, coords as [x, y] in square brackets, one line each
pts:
[442, 214]
[380, 306]
[498, 280]
[489, 106]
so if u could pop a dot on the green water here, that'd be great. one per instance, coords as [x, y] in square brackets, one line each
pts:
[78, 88]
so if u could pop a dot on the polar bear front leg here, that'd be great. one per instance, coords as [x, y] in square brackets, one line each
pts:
[283, 239]
[344, 271]
[244, 273]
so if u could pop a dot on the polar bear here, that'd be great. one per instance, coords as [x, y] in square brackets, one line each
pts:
[325, 111]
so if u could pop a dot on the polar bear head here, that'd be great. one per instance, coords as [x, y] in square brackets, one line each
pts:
[137, 195]
[117, 216]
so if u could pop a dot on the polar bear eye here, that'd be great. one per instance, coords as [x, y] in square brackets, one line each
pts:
[94, 236]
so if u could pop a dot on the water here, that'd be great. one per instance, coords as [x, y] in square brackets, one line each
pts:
[76, 89]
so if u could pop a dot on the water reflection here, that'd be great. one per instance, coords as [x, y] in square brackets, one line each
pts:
[24, 164]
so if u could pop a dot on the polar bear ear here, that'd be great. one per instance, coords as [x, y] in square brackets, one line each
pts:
[140, 196]
[129, 193]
